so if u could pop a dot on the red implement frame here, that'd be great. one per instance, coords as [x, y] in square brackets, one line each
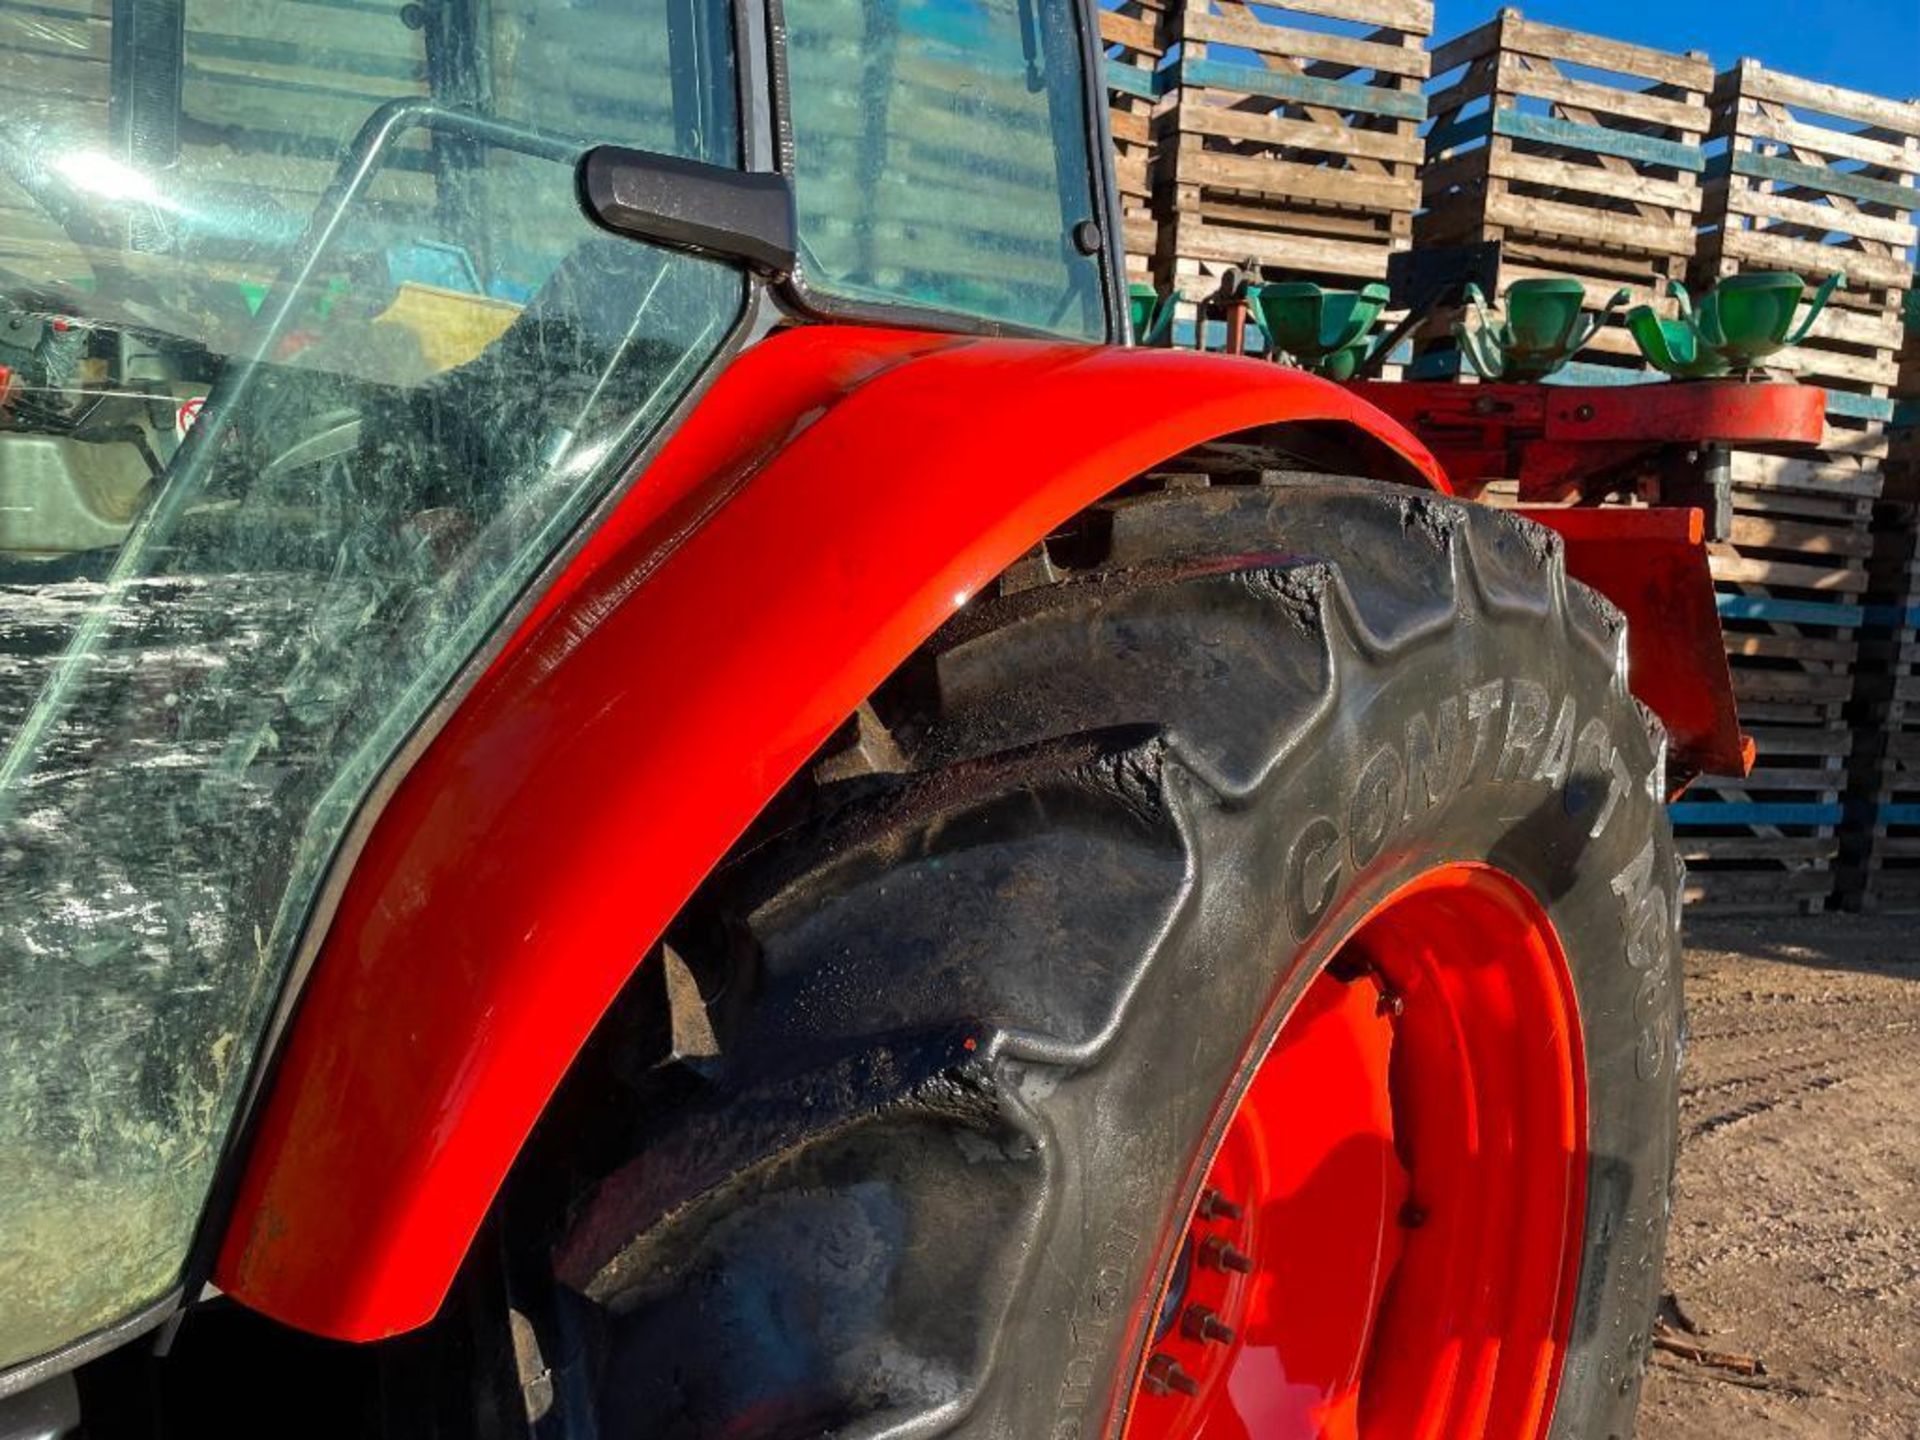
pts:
[1652, 563]
[1560, 440]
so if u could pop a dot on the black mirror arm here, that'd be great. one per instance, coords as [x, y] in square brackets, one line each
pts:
[743, 216]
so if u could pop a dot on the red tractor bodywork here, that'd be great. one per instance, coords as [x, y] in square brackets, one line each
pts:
[836, 495]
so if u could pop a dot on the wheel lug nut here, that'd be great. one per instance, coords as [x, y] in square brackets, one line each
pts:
[1215, 1206]
[1164, 1375]
[1200, 1323]
[1218, 1253]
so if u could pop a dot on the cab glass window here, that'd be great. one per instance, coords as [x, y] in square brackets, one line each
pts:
[309, 362]
[940, 157]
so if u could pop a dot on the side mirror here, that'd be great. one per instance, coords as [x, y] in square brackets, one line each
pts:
[740, 215]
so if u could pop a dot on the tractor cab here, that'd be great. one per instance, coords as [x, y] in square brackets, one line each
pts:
[324, 330]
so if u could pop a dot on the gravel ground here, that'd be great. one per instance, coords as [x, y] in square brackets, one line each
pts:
[1796, 1234]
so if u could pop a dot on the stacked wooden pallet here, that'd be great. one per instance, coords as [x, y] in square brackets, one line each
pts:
[1581, 155]
[1133, 34]
[1881, 859]
[1292, 140]
[1792, 577]
[1792, 582]
[1815, 180]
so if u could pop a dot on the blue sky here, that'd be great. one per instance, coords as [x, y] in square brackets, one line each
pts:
[1869, 45]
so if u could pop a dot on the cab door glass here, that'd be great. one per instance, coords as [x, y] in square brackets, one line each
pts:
[941, 159]
[309, 361]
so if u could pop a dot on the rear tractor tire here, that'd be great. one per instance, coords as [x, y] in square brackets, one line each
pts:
[1225, 986]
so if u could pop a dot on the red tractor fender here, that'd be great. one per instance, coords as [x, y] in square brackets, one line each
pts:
[835, 496]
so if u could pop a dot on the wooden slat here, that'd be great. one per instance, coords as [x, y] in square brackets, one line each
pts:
[1829, 782]
[1796, 505]
[1129, 127]
[1248, 34]
[65, 36]
[1131, 31]
[96, 10]
[1529, 37]
[1743, 199]
[1805, 257]
[1415, 17]
[1751, 78]
[1376, 228]
[46, 86]
[1740, 569]
[1476, 83]
[1524, 259]
[1196, 117]
[1464, 49]
[1333, 94]
[1753, 468]
[1757, 687]
[1600, 139]
[1819, 178]
[1197, 240]
[1775, 741]
[1754, 121]
[1524, 169]
[1548, 130]
[1829, 367]
[1759, 534]
[1131, 79]
[1588, 226]
[1286, 180]
[1740, 847]
[313, 37]
[1512, 77]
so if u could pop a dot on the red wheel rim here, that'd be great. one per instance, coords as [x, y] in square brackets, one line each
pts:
[1387, 1239]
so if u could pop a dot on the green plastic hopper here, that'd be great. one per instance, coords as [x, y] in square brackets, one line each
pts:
[1542, 331]
[1151, 314]
[1742, 320]
[1324, 331]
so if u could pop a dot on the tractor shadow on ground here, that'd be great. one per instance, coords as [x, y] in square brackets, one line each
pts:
[1887, 945]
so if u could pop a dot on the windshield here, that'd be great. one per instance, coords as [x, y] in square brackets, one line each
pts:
[308, 361]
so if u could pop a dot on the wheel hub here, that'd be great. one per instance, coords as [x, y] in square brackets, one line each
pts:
[1386, 1234]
